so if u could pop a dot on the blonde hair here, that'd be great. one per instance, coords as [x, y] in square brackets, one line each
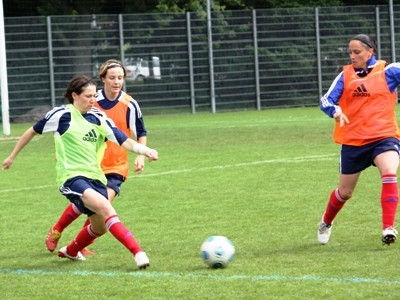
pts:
[109, 64]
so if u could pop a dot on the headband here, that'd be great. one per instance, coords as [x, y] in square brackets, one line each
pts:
[363, 40]
[113, 64]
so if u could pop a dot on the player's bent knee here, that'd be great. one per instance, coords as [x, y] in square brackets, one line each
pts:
[346, 197]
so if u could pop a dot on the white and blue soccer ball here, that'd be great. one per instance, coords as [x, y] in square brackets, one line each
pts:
[217, 251]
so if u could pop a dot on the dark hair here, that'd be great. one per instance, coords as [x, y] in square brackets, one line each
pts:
[109, 64]
[366, 40]
[76, 85]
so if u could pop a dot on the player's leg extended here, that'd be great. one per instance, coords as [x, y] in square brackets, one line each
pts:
[97, 203]
[387, 163]
[70, 214]
[111, 195]
[337, 200]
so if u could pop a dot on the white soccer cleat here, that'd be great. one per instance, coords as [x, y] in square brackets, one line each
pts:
[64, 254]
[142, 261]
[389, 236]
[324, 232]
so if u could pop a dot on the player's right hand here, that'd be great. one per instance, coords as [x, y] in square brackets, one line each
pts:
[7, 163]
[341, 118]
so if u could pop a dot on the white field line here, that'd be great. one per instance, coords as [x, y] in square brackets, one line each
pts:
[269, 161]
[249, 278]
[283, 160]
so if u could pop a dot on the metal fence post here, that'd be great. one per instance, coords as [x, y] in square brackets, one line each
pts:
[392, 38]
[378, 33]
[121, 42]
[256, 69]
[190, 58]
[51, 64]
[210, 56]
[317, 38]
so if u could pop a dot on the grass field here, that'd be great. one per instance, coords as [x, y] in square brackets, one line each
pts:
[261, 178]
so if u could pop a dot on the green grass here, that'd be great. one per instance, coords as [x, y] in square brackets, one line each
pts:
[261, 178]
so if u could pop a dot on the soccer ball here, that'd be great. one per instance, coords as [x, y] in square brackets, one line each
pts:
[217, 251]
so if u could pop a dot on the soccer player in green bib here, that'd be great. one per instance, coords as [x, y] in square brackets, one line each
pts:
[80, 132]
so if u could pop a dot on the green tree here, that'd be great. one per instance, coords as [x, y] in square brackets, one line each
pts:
[17, 8]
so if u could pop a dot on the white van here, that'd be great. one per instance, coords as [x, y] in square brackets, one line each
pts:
[140, 69]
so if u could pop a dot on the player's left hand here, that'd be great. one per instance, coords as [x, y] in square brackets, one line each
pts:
[139, 164]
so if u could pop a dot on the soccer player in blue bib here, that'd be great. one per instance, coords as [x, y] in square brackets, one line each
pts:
[80, 132]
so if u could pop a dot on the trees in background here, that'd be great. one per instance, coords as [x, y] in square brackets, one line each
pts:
[17, 8]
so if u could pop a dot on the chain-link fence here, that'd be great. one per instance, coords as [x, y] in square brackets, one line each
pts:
[181, 63]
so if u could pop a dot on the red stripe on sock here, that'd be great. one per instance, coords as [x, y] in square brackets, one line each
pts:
[335, 204]
[389, 199]
[67, 217]
[122, 234]
[84, 238]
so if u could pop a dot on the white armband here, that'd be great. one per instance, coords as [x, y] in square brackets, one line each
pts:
[140, 149]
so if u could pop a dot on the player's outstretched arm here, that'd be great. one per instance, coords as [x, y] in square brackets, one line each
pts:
[136, 147]
[22, 142]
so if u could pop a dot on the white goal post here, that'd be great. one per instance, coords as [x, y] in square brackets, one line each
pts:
[3, 75]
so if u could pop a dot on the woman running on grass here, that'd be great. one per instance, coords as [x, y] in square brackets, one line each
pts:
[362, 100]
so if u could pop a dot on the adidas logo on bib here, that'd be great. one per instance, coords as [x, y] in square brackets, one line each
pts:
[91, 136]
[361, 91]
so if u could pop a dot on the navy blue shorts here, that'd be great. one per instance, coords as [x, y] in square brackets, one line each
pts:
[73, 189]
[354, 159]
[114, 181]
